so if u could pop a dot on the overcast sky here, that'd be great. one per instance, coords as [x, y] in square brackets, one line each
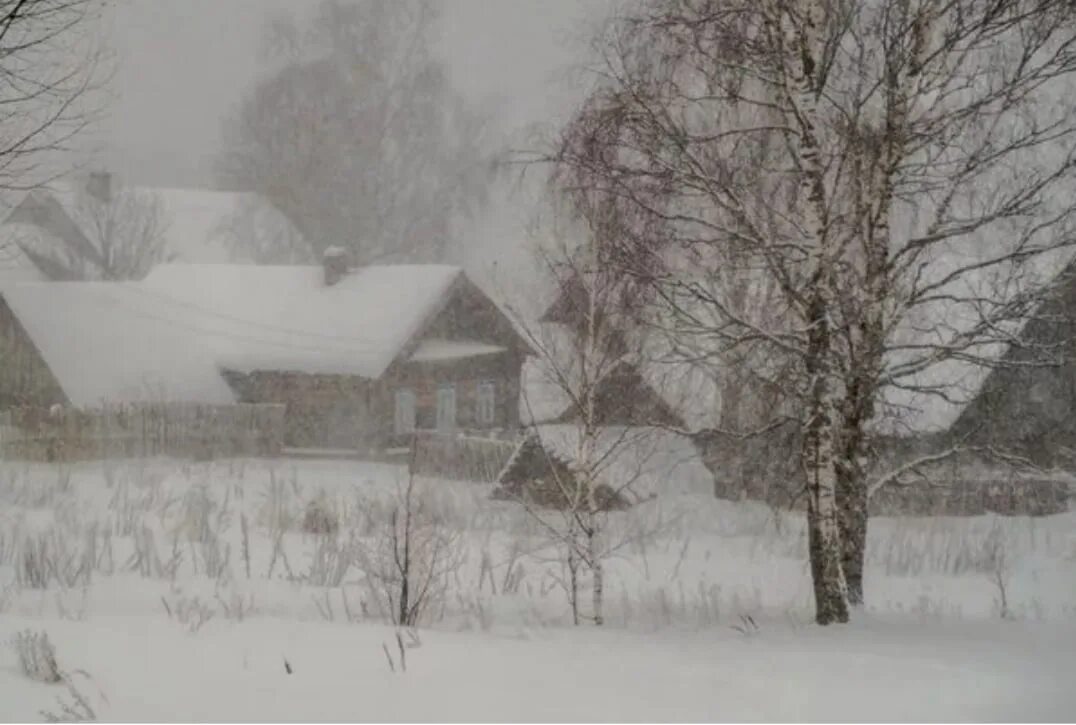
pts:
[181, 65]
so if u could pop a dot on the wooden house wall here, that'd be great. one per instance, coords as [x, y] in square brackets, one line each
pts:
[466, 374]
[321, 411]
[341, 411]
[470, 315]
[624, 398]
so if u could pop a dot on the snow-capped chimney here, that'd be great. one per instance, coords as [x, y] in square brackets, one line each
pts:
[334, 262]
[99, 186]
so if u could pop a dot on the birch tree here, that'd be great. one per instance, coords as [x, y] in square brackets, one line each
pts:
[896, 168]
[579, 359]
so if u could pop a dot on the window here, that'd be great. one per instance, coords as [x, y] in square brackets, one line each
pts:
[485, 404]
[405, 411]
[446, 407]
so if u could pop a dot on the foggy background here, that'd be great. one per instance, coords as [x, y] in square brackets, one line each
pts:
[181, 67]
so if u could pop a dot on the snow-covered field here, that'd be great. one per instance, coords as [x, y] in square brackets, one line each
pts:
[160, 607]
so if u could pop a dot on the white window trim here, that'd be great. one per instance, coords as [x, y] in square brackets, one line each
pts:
[442, 389]
[404, 425]
[486, 403]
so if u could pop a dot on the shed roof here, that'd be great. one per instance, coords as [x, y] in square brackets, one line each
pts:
[644, 459]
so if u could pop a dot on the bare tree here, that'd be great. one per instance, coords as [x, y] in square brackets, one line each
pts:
[586, 467]
[410, 556]
[358, 136]
[896, 169]
[49, 63]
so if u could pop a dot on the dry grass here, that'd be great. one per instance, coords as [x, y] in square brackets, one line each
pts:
[36, 656]
[685, 561]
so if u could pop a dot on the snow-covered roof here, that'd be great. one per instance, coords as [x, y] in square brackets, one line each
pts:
[285, 317]
[648, 460]
[105, 342]
[170, 335]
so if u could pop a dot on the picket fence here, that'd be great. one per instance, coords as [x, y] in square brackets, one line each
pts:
[461, 456]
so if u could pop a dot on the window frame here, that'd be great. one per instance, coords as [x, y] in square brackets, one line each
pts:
[400, 395]
[486, 403]
[442, 389]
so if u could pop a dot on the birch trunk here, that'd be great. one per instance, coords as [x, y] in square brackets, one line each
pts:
[798, 30]
[819, 459]
[597, 577]
[878, 158]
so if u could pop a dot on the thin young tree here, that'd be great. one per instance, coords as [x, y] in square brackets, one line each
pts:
[410, 556]
[896, 169]
[591, 465]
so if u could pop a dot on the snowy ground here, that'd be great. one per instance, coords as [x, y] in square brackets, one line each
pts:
[136, 571]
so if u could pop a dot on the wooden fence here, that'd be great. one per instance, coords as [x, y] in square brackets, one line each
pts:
[460, 456]
[1008, 496]
[139, 430]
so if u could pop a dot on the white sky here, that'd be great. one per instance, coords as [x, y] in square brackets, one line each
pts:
[181, 65]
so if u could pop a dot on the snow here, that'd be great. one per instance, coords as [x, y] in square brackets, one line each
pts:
[677, 646]
[434, 350]
[105, 342]
[167, 337]
[286, 318]
[153, 672]
[15, 266]
[644, 459]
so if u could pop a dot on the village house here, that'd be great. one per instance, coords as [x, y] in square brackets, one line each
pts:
[361, 358]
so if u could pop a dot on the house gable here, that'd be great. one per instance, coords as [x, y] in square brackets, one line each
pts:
[465, 342]
[623, 397]
[1028, 401]
[466, 314]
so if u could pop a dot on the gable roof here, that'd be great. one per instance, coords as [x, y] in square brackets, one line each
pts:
[286, 318]
[170, 335]
[935, 399]
[105, 342]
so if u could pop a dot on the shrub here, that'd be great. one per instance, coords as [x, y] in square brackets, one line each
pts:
[37, 656]
[320, 518]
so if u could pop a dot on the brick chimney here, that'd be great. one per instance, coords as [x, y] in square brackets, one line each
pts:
[99, 186]
[335, 263]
